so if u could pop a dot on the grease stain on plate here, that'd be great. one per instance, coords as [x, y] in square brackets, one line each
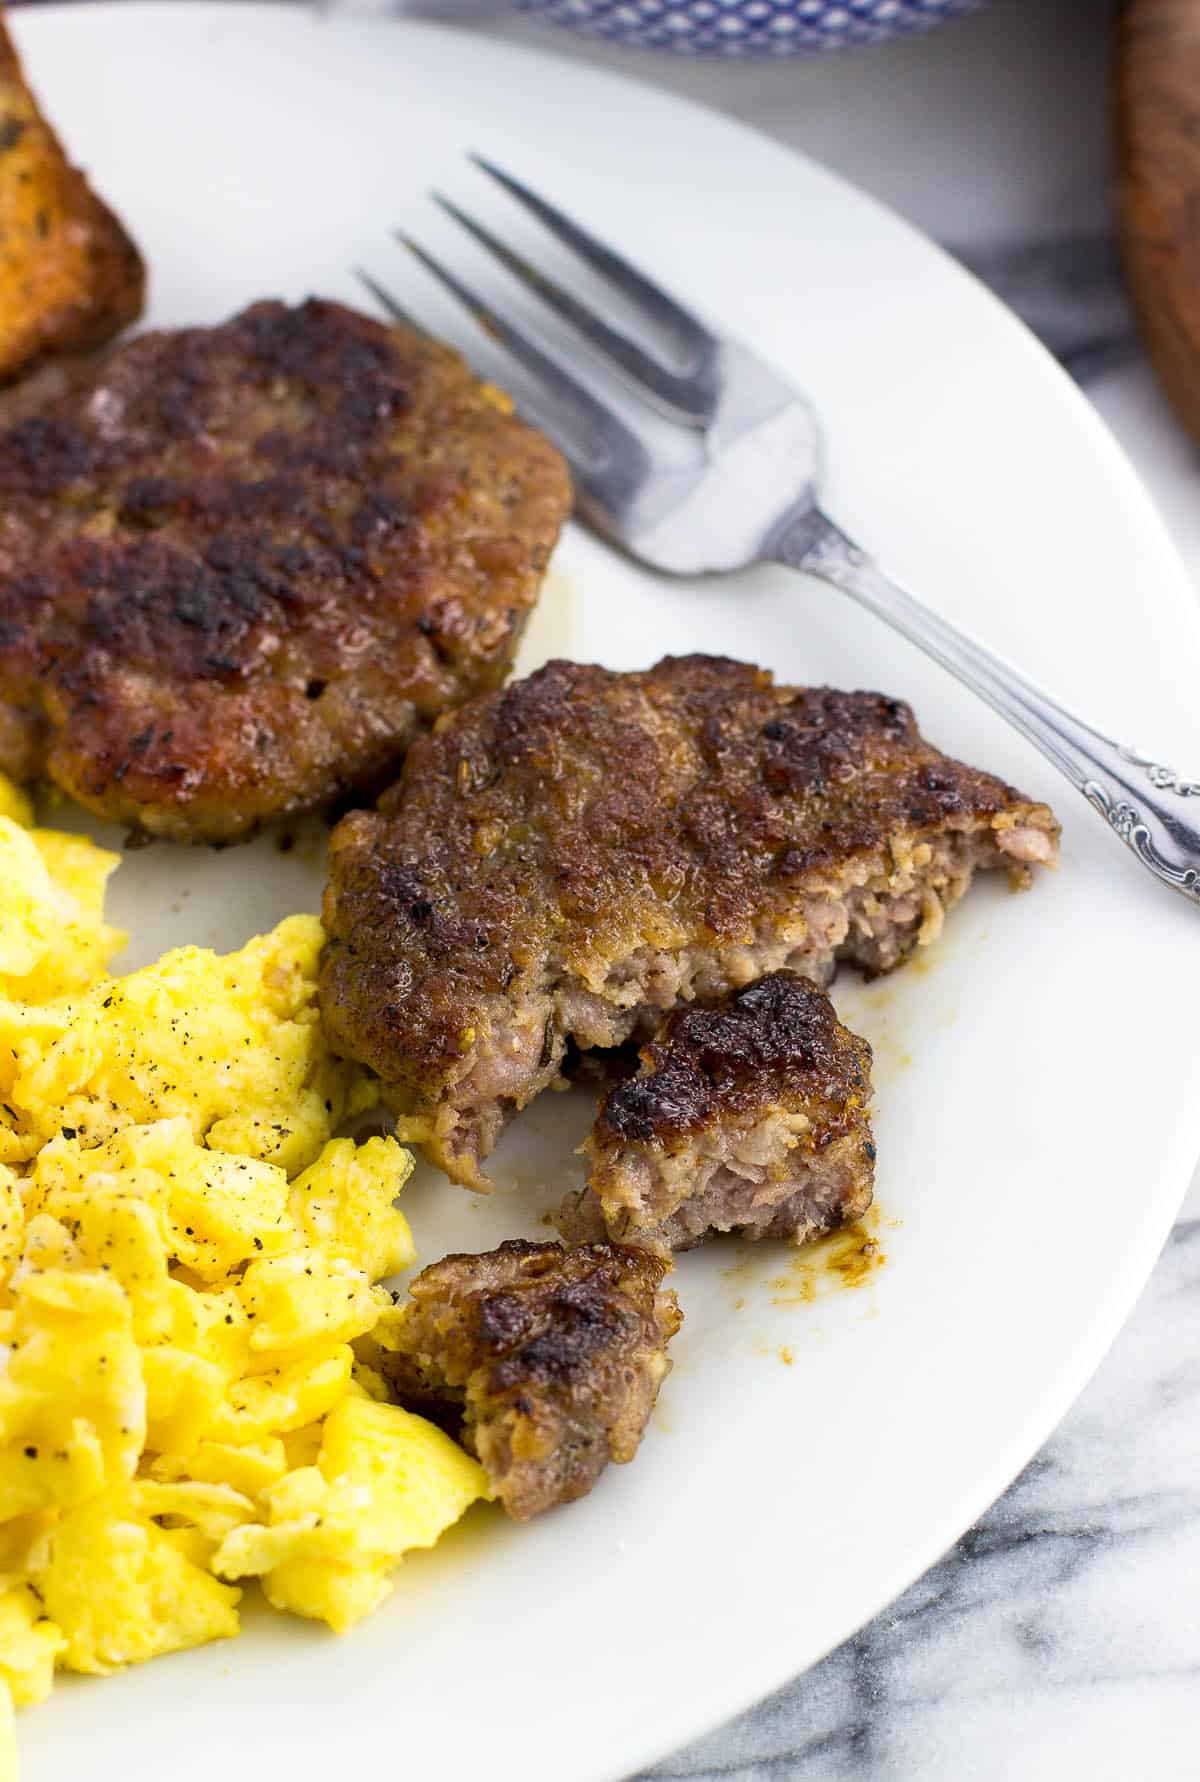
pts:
[850, 1257]
[847, 1258]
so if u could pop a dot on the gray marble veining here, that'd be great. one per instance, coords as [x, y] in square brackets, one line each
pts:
[1071, 1593]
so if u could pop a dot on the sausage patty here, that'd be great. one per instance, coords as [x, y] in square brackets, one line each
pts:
[546, 1362]
[242, 567]
[748, 1114]
[574, 856]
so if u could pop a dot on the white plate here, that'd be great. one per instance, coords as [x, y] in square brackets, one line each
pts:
[1038, 1083]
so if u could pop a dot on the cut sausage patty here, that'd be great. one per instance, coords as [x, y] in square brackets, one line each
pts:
[748, 1115]
[573, 857]
[547, 1362]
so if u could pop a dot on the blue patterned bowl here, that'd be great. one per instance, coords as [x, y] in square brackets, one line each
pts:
[747, 27]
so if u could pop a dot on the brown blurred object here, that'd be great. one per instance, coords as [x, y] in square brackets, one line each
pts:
[70, 277]
[1157, 104]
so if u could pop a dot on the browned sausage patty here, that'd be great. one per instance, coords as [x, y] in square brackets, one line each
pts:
[546, 1361]
[578, 854]
[241, 567]
[748, 1114]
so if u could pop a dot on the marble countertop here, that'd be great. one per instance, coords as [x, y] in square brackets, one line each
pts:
[1060, 1638]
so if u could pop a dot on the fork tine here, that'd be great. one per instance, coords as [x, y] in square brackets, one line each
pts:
[688, 329]
[387, 302]
[596, 442]
[689, 398]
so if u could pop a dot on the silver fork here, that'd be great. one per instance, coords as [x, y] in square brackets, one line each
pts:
[750, 494]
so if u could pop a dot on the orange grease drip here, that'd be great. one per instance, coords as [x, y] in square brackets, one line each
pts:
[847, 1258]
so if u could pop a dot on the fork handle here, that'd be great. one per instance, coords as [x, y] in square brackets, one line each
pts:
[1145, 803]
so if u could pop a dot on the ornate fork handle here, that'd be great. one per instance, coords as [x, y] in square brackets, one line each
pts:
[1148, 805]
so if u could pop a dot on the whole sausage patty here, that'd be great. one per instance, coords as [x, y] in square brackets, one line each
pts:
[242, 567]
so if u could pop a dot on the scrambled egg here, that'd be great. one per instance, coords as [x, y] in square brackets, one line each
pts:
[53, 937]
[187, 1259]
[232, 1044]
[15, 804]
